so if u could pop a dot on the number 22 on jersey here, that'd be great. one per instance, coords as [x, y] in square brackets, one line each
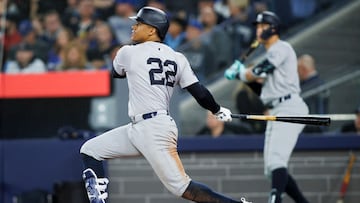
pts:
[170, 72]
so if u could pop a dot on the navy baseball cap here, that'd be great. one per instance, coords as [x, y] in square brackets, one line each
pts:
[196, 24]
[25, 27]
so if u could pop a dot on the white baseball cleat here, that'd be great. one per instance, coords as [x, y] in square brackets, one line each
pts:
[95, 187]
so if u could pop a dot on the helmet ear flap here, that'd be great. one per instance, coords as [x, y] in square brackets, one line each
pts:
[266, 34]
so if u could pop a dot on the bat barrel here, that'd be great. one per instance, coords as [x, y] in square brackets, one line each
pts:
[306, 120]
[310, 120]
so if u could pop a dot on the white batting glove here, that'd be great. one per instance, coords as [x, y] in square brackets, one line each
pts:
[224, 114]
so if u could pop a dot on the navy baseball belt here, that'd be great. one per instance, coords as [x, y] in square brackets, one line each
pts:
[141, 117]
[277, 101]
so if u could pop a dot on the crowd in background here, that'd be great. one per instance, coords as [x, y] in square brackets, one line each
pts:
[39, 36]
[42, 35]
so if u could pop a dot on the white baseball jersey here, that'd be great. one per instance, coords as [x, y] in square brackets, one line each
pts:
[155, 64]
[152, 70]
[285, 79]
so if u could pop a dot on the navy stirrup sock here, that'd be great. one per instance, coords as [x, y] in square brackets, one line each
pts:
[200, 193]
[95, 165]
[278, 184]
[294, 192]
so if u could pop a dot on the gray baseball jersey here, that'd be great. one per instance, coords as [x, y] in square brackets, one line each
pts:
[152, 70]
[285, 79]
[281, 137]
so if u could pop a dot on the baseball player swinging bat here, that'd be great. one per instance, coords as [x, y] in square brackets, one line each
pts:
[310, 120]
[346, 178]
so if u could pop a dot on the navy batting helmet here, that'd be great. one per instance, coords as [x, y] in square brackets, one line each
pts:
[268, 17]
[153, 17]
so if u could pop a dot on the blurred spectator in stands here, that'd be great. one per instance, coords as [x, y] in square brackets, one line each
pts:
[310, 79]
[222, 8]
[160, 4]
[12, 36]
[114, 50]
[37, 25]
[52, 26]
[104, 9]
[55, 55]
[25, 61]
[199, 54]
[20, 9]
[259, 6]
[354, 126]
[120, 22]
[75, 58]
[216, 128]
[293, 11]
[71, 16]
[216, 37]
[238, 26]
[86, 10]
[3, 10]
[202, 4]
[44, 6]
[176, 35]
[248, 102]
[30, 37]
[188, 7]
[99, 50]
[301, 9]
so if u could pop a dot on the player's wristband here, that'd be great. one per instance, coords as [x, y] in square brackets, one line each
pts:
[242, 74]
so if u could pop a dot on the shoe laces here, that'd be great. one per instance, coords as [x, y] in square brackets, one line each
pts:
[101, 184]
[99, 188]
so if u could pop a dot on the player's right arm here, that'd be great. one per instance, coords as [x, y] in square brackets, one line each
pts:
[114, 74]
[238, 71]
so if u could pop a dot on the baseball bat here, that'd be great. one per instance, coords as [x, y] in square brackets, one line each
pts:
[252, 47]
[346, 179]
[310, 120]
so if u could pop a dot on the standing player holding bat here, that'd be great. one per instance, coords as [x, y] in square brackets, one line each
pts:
[152, 70]
[280, 93]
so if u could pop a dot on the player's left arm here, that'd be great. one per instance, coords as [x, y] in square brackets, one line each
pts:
[273, 59]
[120, 61]
[203, 97]
[206, 100]
[262, 69]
